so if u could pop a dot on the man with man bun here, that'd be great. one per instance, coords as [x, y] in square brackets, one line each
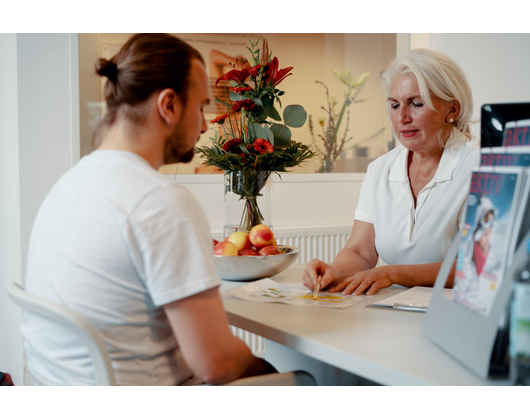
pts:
[129, 250]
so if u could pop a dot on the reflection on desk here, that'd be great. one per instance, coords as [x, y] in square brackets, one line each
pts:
[385, 347]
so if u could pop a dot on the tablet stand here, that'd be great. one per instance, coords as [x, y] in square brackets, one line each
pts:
[466, 336]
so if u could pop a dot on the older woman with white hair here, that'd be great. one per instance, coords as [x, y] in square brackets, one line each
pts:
[412, 198]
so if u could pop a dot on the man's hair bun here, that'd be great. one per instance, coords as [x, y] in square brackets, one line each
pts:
[107, 68]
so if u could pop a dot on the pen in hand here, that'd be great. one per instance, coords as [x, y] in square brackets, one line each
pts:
[316, 289]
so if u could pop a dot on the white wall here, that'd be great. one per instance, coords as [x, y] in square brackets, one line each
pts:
[39, 129]
[298, 200]
[11, 359]
[498, 65]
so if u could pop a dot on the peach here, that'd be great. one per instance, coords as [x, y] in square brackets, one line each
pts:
[240, 240]
[261, 235]
[225, 248]
[270, 250]
[251, 251]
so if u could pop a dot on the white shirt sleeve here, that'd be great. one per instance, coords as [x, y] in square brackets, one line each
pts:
[171, 245]
[363, 212]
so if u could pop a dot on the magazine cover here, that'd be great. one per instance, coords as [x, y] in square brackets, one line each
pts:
[505, 156]
[488, 244]
[516, 133]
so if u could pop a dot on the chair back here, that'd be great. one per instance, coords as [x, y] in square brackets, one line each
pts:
[88, 334]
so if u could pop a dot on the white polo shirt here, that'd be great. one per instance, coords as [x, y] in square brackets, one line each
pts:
[408, 235]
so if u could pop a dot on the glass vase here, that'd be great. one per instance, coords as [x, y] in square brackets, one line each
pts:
[248, 200]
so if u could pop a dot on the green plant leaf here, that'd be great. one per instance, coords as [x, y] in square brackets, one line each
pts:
[222, 102]
[294, 116]
[362, 79]
[339, 76]
[282, 135]
[269, 134]
[258, 131]
[234, 96]
[268, 105]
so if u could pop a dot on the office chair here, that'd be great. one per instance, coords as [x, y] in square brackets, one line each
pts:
[99, 354]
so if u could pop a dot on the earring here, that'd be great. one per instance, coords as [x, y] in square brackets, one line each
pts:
[451, 120]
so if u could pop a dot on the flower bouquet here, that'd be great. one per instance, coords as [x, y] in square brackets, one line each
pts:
[251, 141]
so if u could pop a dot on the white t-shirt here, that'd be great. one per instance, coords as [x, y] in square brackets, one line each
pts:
[408, 235]
[114, 240]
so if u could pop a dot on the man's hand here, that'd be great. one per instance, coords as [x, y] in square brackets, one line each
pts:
[370, 281]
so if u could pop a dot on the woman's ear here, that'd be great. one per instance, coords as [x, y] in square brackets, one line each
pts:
[169, 106]
[454, 111]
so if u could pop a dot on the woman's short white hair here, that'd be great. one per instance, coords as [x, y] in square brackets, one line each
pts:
[437, 75]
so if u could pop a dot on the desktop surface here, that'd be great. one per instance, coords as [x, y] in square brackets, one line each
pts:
[383, 346]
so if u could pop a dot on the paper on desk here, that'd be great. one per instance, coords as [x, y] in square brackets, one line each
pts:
[417, 296]
[267, 290]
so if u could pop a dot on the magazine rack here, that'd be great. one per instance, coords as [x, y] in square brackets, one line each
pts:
[466, 336]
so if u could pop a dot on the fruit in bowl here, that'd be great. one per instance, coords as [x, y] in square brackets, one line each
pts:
[256, 255]
[225, 248]
[270, 250]
[254, 267]
[240, 240]
[261, 235]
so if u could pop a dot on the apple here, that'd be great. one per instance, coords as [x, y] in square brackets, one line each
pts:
[250, 251]
[215, 242]
[240, 240]
[225, 248]
[270, 250]
[261, 235]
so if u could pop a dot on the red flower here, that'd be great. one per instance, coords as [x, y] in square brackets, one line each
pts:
[220, 119]
[243, 157]
[247, 104]
[239, 75]
[230, 145]
[263, 146]
[241, 90]
[274, 75]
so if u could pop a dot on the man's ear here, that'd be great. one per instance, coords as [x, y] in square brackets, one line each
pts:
[169, 106]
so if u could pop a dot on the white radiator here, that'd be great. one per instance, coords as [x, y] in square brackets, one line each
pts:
[323, 243]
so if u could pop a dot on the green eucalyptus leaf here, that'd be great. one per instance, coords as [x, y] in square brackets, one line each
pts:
[233, 82]
[282, 135]
[234, 96]
[268, 105]
[294, 116]
[269, 134]
[259, 114]
[258, 131]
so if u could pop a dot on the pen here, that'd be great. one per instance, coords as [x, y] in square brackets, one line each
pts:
[317, 288]
[415, 307]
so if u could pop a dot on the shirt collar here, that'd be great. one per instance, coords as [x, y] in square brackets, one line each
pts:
[450, 157]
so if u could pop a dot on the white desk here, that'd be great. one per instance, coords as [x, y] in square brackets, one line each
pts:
[383, 346]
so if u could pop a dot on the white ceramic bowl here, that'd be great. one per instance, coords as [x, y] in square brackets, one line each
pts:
[254, 267]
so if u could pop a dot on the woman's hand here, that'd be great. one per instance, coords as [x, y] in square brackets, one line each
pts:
[316, 268]
[369, 280]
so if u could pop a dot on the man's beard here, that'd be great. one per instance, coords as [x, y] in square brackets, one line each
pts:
[174, 148]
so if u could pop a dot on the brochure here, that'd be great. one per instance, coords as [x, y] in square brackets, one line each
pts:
[416, 298]
[491, 225]
[267, 290]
